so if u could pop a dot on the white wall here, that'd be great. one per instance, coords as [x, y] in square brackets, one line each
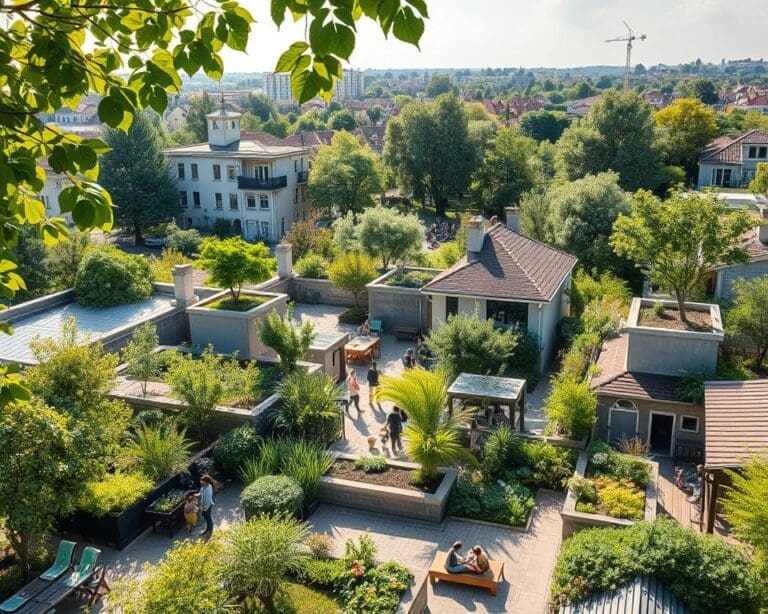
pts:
[50, 196]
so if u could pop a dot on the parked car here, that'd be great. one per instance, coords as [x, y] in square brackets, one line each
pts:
[156, 241]
[324, 223]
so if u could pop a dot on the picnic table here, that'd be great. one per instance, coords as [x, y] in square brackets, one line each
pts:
[362, 349]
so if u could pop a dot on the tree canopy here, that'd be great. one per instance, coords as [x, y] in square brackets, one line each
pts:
[618, 134]
[543, 125]
[137, 175]
[760, 182]
[428, 150]
[381, 233]
[345, 174]
[439, 84]
[506, 170]
[679, 241]
[233, 262]
[749, 314]
[351, 272]
[686, 127]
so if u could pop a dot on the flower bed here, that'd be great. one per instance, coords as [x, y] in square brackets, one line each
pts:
[510, 504]
[399, 501]
[387, 475]
[609, 489]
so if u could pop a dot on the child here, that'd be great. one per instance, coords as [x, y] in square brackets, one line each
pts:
[190, 511]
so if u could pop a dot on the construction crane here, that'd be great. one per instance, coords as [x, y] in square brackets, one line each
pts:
[628, 39]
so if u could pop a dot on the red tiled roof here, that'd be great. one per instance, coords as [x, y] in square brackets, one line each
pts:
[510, 266]
[727, 149]
[614, 380]
[737, 421]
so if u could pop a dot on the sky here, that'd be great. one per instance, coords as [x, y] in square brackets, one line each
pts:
[532, 33]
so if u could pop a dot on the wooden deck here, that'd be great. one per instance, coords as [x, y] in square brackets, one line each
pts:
[672, 500]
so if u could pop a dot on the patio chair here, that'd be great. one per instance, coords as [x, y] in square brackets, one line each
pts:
[62, 563]
[14, 602]
[95, 588]
[85, 569]
[376, 327]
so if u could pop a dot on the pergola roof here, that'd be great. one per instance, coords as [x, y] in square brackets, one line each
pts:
[736, 421]
[502, 390]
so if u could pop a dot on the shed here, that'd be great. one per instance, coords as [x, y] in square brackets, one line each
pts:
[643, 595]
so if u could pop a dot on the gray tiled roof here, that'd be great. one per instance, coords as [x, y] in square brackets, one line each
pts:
[727, 149]
[643, 595]
[510, 267]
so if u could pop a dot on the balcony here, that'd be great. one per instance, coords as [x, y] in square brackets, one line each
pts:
[254, 183]
[302, 176]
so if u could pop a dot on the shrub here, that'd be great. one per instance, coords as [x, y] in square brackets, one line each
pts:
[186, 242]
[658, 308]
[604, 460]
[289, 340]
[320, 545]
[308, 406]
[157, 451]
[412, 279]
[703, 571]
[363, 551]
[233, 262]
[372, 464]
[107, 276]
[271, 494]
[379, 591]
[162, 266]
[232, 449]
[620, 498]
[584, 489]
[499, 450]
[149, 417]
[571, 407]
[633, 446]
[351, 272]
[586, 289]
[312, 266]
[550, 466]
[509, 504]
[306, 464]
[116, 492]
[321, 572]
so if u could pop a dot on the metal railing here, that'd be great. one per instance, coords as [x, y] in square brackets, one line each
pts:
[254, 183]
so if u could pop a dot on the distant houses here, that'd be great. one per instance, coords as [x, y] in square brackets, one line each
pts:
[730, 161]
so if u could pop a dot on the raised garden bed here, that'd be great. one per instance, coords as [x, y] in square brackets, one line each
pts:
[353, 315]
[374, 497]
[669, 318]
[168, 510]
[573, 514]
[118, 529]
[246, 303]
[394, 477]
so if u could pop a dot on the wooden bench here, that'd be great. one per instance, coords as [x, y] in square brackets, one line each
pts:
[490, 579]
[403, 331]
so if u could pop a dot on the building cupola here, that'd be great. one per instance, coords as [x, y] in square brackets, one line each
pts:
[223, 127]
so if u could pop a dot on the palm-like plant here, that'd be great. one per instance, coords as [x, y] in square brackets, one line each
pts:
[157, 451]
[308, 406]
[431, 435]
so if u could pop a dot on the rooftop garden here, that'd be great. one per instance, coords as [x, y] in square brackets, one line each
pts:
[409, 279]
[660, 316]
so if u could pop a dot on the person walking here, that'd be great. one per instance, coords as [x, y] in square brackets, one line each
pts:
[373, 381]
[395, 428]
[206, 503]
[354, 390]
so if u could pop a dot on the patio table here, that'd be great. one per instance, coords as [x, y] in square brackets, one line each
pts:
[362, 349]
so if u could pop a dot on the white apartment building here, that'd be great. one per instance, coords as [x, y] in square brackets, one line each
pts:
[49, 195]
[259, 189]
[349, 87]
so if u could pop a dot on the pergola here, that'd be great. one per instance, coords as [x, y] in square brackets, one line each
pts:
[736, 426]
[503, 391]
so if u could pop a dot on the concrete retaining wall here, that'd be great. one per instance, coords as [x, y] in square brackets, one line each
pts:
[395, 305]
[387, 500]
[574, 521]
[313, 291]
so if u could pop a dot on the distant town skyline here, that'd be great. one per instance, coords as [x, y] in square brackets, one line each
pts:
[549, 33]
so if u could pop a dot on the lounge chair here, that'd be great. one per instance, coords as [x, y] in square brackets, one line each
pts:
[62, 563]
[14, 602]
[85, 569]
[96, 586]
[376, 327]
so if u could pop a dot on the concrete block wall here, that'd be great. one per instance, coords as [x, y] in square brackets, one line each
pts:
[304, 290]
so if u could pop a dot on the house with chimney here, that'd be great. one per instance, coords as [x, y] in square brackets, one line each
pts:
[730, 161]
[514, 280]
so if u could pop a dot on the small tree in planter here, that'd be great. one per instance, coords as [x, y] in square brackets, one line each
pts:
[233, 262]
[290, 341]
[139, 354]
[352, 272]
[571, 407]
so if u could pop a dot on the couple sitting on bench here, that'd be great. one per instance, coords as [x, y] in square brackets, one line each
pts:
[475, 562]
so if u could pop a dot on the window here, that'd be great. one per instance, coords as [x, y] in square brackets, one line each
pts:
[46, 202]
[451, 306]
[506, 314]
[231, 172]
[721, 177]
[219, 201]
[180, 170]
[58, 184]
[194, 170]
[296, 196]
[762, 152]
[265, 231]
[261, 173]
[690, 424]
[263, 201]
[233, 124]
[624, 404]
[196, 199]
[250, 201]
[183, 198]
[753, 152]
[217, 172]
[233, 202]
[215, 125]
[295, 166]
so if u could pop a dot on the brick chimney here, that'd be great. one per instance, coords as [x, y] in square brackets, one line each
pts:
[475, 236]
[512, 217]
[284, 254]
[762, 229]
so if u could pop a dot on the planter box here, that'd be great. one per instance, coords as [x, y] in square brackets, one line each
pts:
[349, 317]
[166, 519]
[669, 352]
[385, 499]
[233, 331]
[120, 529]
[559, 442]
[574, 521]
[397, 305]
[315, 291]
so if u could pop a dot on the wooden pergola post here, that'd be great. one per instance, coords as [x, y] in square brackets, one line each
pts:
[711, 494]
